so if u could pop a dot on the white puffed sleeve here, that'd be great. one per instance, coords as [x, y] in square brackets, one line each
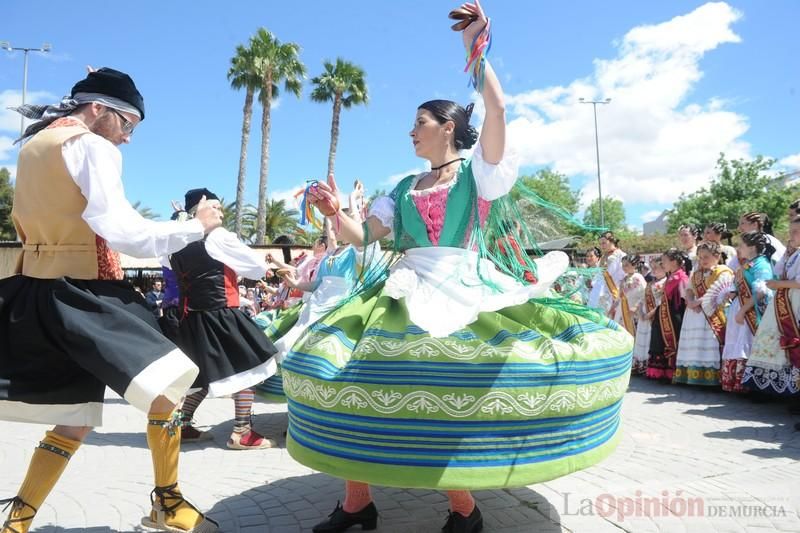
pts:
[494, 181]
[382, 208]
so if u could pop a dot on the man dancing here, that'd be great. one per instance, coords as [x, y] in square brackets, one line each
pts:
[69, 325]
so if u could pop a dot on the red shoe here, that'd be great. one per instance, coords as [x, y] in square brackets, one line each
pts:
[250, 440]
[192, 434]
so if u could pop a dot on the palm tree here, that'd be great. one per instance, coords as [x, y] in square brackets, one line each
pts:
[302, 236]
[145, 211]
[279, 220]
[275, 62]
[247, 220]
[243, 75]
[344, 84]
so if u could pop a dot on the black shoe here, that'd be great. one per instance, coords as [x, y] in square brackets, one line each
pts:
[797, 427]
[458, 523]
[340, 520]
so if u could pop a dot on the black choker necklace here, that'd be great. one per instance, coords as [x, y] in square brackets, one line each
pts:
[448, 163]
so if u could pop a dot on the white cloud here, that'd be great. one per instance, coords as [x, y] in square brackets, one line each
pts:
[6, 148]
[287, 195]
[633, 228]
[654, 145]
[9, 120]
[791, 162]
[394, 179]
[651, 215]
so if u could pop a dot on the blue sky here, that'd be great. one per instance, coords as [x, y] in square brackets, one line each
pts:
[687, 80]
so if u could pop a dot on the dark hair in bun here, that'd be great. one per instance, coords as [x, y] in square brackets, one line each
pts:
[715, 249]
[464, 135]
[610, 237]
[680, 257]
[692, 229]
[635, 261]
[760, 241]
[721, 229]
[761, 220]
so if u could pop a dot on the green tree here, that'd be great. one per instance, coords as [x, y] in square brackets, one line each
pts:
[247, 228]
[275, 62]
[553, 187]
[7, 231]
[280, 220]
[243, 74]
[344, 84]
[739, 186]
[305, 237]
[145, 211]
[377, 194]
[613, 210]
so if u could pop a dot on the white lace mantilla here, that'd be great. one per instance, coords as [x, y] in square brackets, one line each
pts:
[389, 401]
[443, 292]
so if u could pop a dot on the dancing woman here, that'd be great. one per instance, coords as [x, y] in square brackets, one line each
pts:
[452, 374]
[232, 352]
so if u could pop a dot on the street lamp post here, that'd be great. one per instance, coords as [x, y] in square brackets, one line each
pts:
[597, 151]
[5, 45]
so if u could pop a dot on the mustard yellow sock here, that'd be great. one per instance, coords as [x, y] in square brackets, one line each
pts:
[48, 462]
[164, 440]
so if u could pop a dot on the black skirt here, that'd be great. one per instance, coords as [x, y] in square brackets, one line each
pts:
[232, 352]
[169, 322]
[62, 341]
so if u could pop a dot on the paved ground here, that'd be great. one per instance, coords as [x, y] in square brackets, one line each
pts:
[730, 461]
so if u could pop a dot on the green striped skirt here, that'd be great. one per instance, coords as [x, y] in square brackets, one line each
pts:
[272, 389]
[521, 395]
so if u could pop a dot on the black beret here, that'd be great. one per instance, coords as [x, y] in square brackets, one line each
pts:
[193, 196]
[111, 83]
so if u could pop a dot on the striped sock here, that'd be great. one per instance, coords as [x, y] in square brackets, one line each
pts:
[190, 405]
[243, 408]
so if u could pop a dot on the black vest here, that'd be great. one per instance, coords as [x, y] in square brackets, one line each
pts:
[204, 282]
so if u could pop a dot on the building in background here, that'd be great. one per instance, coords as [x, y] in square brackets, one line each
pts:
[657, 226]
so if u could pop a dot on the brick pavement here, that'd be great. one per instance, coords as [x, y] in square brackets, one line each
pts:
[740, 458]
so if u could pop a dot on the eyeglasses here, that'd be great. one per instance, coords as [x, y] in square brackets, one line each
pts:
[127, 125]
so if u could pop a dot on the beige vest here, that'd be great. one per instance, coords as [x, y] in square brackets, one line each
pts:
[47, 211]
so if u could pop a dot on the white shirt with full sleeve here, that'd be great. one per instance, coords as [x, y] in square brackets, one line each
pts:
[225, 247]
[95, 165]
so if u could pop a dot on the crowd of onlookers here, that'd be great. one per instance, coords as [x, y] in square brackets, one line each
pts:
[705, 313]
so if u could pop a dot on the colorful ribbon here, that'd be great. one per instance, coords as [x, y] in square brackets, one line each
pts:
[476, 56]
[307, 214]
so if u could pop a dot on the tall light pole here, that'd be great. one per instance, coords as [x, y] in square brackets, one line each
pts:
[5, 45]
[597, 151]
